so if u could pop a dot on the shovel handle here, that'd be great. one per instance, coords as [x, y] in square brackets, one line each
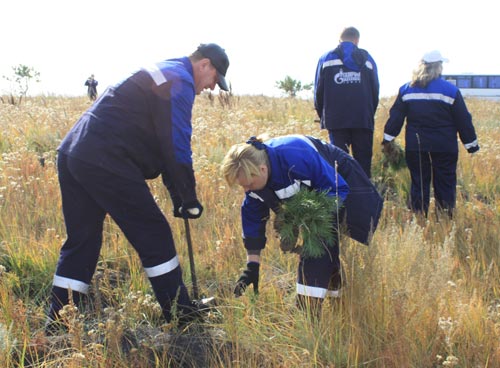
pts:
[191, 259]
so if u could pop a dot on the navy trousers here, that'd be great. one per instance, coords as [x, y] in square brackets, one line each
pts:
[88, 194]
[320, 277]
[441, 169]
[359, 141]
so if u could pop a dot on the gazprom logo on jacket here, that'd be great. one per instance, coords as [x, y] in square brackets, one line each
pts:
[347, 77]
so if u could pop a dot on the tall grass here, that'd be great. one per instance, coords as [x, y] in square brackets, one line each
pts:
[425, 293]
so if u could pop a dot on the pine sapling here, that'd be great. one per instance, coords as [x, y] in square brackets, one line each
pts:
[310, 213]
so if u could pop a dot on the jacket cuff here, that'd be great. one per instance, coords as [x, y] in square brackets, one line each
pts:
[473, 149]
[388, 137]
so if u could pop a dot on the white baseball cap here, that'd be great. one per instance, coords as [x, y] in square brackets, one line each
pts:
[433, 57]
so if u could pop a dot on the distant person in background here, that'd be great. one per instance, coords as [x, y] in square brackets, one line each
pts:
[137, 130]
[346, 95]
[435, 113]
[91, 84]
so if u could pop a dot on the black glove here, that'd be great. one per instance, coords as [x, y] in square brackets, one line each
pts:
[388, 147]
[177, 207]
[191, 210]
[174, 195]
[473, 149]
[249, 276]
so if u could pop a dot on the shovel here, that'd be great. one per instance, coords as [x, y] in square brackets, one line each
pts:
[191, 259]
[210, 301]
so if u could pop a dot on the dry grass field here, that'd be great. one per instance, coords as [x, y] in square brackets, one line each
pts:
[425, 293]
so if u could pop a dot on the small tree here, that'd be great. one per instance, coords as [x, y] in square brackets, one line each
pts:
[291, 86]
[20, 80]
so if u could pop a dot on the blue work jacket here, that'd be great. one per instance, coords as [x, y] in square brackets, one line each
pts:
[346, 88]
[298, 160]
[434, 115]
[141, 128]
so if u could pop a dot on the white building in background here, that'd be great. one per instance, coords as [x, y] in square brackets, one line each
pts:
[476, 85]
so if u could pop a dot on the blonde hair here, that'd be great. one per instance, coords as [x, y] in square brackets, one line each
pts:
[425, 73]
[243, 158]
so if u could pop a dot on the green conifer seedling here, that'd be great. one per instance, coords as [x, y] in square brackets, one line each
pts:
[312, 213]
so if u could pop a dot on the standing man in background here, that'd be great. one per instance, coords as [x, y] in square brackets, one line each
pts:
[91, 84]
[346, 95]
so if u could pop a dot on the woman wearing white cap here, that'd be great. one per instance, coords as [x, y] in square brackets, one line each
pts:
[435, 113]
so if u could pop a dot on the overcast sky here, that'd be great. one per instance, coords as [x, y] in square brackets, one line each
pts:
[265, 40]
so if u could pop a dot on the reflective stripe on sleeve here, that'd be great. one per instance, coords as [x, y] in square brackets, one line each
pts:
[292, 189]
[472, 144]
[388, 137]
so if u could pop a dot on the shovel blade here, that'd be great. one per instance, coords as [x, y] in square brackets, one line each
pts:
[208, 301]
